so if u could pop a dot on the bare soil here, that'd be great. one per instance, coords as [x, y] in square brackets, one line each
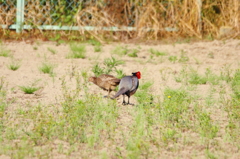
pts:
[202, 55]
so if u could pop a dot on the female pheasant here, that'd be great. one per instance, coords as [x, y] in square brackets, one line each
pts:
[106, 82]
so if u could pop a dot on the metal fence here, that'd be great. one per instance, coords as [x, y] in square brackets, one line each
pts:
[57, 15]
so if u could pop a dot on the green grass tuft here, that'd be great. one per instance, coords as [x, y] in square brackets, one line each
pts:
[14, 65]
[172, 59]
[4, 52]
[28, 89]
[77, 51]
[120, 50]
[52, 50]
[47, 68]
[110, 65]
[133, 53]
[157, 53]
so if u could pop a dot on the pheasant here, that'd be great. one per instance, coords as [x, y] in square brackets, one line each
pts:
[106, 82]
[128, 86]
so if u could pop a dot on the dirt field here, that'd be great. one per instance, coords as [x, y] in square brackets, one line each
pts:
[170, 66]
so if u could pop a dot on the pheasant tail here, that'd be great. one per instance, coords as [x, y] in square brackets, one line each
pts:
[120, 92]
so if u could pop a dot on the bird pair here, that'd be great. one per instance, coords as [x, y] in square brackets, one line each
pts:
[128, 85]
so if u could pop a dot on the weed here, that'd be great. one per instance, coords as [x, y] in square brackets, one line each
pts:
[120, 73]
[52, 50]
[183, 76]
[133, 53]
[197, 61]
[31, 88]
[212, 78]
[120, 50]
[183, 58]
[165, 72]
[233, 108]
[97, 45]
[110, 65]
[97, 48]
[172, 59]
[97, 70]
[28, 89]
[14, 65]
[157, 53]
[175, 103]
[195, 78]
[169, 135]
[143, 95]
[236, 83]
[211, 55]
[77, 51]
[209, 154]
[94, 42]
[4, 52]
[56, 38]
[35, 48]
[226, 73]
[47, 68]
[206, 127]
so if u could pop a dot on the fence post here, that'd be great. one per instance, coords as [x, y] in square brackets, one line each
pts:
[199, 3]
[20, 15]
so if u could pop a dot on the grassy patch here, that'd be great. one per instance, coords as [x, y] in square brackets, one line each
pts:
[157, 53]
[97, 45]
[133, 53]
[183, 57]
[172, 59]
[143, 95]
[28, 89]
[52, 50]
[120, 50]
[4, 52]
[109, 65]
[14, 65]
[77, 51]
[47, 68]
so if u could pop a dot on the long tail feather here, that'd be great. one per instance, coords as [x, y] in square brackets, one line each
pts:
[120, 92]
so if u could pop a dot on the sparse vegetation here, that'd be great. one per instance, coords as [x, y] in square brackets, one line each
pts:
[35, 48]
[157, 53]
[4, 52]
[181, 110]
[77, 51]
[183, 58]
[97, 45]
[14, 65]
[110, 65]
[172, 59]
[120, 50]
[47, 67]
[133, 53]
[52, 50]
[29, 89]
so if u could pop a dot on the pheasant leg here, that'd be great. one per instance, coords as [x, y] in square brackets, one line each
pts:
[124, 102]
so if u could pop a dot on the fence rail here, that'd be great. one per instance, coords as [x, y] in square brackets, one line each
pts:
[145, 17]
[48, 15]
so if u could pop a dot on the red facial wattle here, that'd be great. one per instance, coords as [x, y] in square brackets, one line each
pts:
[138, 74]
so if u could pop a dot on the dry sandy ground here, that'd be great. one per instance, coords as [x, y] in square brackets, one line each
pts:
[214, 55]
[202, 55]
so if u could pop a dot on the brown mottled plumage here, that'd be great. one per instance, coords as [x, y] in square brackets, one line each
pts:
[106, 82]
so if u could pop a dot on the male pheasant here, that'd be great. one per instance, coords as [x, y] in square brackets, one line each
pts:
[128, 86]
